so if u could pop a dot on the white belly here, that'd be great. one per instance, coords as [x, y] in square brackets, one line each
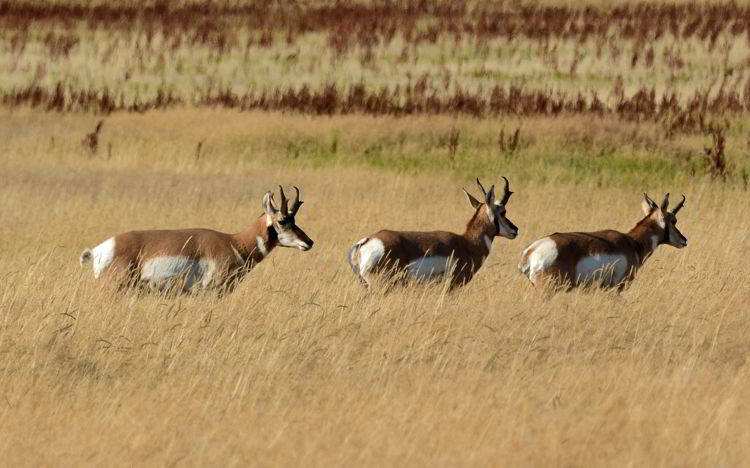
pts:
[610, 269]
[163, 272]
[428, 267]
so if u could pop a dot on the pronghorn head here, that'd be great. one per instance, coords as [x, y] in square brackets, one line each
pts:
[666, 219]
[495, 209]
[281, 220]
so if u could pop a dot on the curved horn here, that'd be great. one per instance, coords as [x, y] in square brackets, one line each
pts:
[679, 205]
[506, 191]
[665, 203]
[296, 203]
[284, 201]
[481, 187]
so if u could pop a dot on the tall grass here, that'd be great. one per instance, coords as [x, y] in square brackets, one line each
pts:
[301, 365]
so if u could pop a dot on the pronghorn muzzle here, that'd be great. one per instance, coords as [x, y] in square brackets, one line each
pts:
[302, 242]
[506, 228]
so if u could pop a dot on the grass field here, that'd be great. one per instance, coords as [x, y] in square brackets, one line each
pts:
[380, 112]
[657, 61]
[300, 365]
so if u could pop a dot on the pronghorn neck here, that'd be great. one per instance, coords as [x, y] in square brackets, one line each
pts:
[479, 230]
[257, 241]
[647, 235]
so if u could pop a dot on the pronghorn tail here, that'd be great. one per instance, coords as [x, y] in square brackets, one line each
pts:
[86, 256]
[354, 255]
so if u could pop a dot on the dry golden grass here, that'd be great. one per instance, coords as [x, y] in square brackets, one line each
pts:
[302, 366]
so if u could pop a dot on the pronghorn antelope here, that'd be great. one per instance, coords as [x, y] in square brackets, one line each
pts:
[425, 255]
[186, 258]
[607, 258]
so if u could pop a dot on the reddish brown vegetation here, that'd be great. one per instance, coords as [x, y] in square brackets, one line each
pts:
[220, 27]
[642, 105]
[349, 22]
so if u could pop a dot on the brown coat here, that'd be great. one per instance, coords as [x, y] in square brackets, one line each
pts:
[636, 246]
[403, 248]
[233, 254]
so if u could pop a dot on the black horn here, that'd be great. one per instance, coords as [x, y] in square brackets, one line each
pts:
[506, 191]
[679, 205]
[284, 201]
[296, 203]
[481, 187]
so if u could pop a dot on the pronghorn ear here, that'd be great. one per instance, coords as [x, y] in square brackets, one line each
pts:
[647, 204]
[268, 205]
[474, 202]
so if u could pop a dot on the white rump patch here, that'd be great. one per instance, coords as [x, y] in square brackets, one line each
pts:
[370, 254]
[161, 271]
[103, 254]
[261, 246]
[428, 267]
[609, 268]
[543, 255]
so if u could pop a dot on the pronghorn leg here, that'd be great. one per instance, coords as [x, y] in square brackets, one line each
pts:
[544, 284]
[233, 276]
[625, 284]
[226, 288]
[120, 273]
[365, 280]
[550, 283]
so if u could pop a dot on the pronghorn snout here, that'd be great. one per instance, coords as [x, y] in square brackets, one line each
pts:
[507, 229]
[675, 238]
[303, 242]
[295, 237]
[681, 243]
